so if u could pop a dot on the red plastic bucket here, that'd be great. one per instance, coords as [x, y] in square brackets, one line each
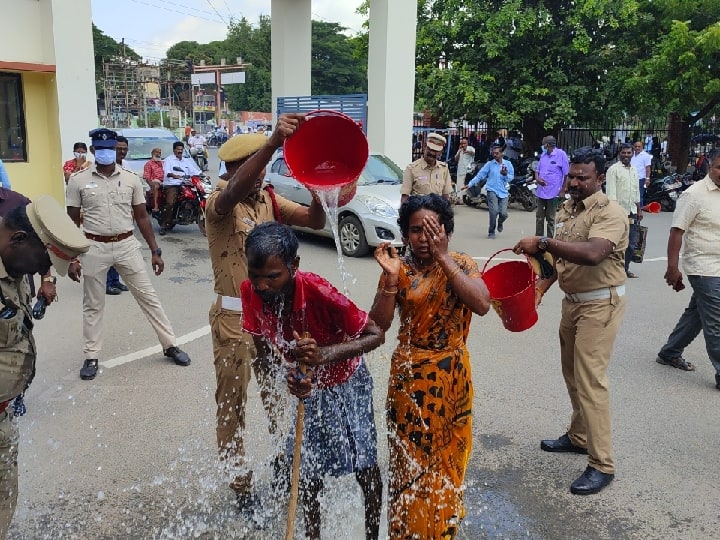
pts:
[329, 150]
[512, 292]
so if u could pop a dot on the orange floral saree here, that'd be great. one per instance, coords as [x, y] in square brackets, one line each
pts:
[429, 405]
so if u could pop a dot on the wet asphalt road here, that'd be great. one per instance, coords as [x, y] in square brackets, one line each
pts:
[132, 454]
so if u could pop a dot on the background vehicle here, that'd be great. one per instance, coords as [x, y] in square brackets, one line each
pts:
[189, 206]
[141, 141]
[216, 138]
[368, 219]
[666, 190]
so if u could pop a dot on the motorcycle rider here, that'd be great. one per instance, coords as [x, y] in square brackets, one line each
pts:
[175, 169]
[197, 145]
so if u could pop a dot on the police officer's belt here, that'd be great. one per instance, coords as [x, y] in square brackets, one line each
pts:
[113, 238]
[597, 294]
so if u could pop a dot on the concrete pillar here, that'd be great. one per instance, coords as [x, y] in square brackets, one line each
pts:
[75, 75]
[391, 78]
[291, 37]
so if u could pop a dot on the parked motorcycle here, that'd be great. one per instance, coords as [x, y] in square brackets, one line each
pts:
[522, 191]
[189, 205]
[666, 191]
[476, 195]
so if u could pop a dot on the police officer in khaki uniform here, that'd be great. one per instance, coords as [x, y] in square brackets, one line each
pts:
[111, 198]
[31, 239]
[428, 175]
[235, 207]
[591, 235]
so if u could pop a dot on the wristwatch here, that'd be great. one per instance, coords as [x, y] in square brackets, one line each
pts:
[50, 279]
[543, 244]
[157, 252]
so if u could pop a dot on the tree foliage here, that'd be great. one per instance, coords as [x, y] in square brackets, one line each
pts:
[337, 66]
[108, 50]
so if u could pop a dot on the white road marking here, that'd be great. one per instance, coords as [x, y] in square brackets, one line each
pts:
[655, 259]
[137, 355]
[205, 330]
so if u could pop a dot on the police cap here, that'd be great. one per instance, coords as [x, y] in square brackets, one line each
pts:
[241, 146]
[436, 142]
[62, 237]
[103, 138]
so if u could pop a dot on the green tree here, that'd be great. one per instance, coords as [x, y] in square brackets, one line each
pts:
[336, 68]
[681, 74]
[108, 50]
[534, 65]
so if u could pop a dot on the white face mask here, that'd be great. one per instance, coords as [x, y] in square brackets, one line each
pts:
[105, 156]
[79, 155]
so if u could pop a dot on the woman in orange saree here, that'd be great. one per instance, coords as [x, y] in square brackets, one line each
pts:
[430, 392]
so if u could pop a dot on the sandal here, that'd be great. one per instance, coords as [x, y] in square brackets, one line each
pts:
[679, 363]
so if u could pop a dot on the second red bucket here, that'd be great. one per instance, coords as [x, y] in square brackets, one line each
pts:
[329, 150]
[512, 292]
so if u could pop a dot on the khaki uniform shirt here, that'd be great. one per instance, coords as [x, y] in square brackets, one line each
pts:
[106, 201]
[594, 217]
[421, 179]
[622, 185]
[17, 346]
[698, 214]
[226, 234]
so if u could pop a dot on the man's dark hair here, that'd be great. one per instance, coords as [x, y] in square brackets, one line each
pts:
[626, 145]
[587, 154]
[494, 146]
[433, 202]
[176, 144]
[713, 154]
[78, 146]
[17, 220]
[120, 138]
[271, 239]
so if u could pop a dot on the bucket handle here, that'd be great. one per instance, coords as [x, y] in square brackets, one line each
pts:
[328, 112]
[527, 259]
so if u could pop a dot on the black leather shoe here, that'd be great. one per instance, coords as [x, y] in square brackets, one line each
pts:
[112, 290]
[561, 444]
[122, 287]
[591, 481]
[163, 231]
[89, 369]
[717, 381]
[181, 358]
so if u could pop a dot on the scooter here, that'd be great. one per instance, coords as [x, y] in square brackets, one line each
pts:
[476, 195]
[189, 205]
[200, 156]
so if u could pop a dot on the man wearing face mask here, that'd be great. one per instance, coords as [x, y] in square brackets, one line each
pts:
[112, 200]
[427, 174]
[153, 174]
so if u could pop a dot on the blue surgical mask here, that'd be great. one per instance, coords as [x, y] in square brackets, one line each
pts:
[105, 156]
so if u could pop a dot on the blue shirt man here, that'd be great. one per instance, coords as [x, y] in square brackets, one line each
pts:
[4, 178]
[498, 172]
[493, 171]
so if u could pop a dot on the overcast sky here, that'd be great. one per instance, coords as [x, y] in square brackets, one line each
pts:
[151, 26]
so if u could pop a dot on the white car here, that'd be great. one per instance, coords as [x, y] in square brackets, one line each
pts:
[369, 219]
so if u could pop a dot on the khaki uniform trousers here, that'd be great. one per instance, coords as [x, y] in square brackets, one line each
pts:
[8, 469]
[126, 256]
[234, 353]
[587, 336]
